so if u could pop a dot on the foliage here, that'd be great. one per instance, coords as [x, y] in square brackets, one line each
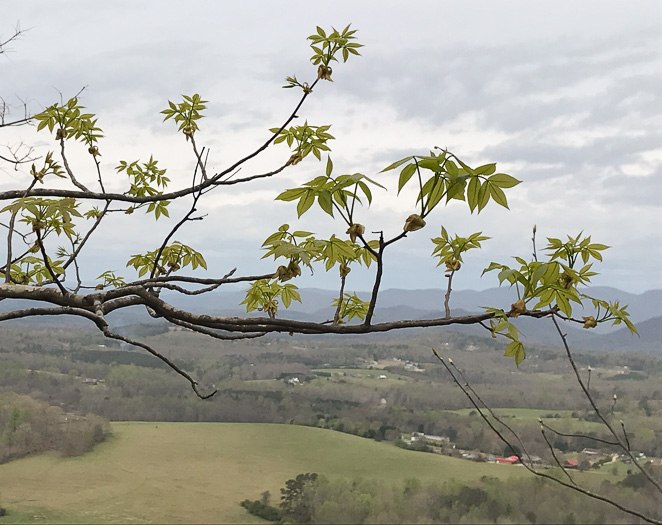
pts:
[351, 306]
[262, 296]
[294, 501]
[489, 499]
[186, 114]
[28, 426]
[69, 122]
[261, 510]
[171, 258]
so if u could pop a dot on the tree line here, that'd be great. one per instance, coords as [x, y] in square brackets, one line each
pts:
[28, 426]
[309, 498]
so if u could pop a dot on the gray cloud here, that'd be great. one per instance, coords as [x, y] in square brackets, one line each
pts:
[571, 91]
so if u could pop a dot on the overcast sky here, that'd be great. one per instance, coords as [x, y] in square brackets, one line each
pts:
[564, 95]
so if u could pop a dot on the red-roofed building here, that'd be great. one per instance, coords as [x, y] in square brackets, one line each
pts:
[571, 463]
[508, 461]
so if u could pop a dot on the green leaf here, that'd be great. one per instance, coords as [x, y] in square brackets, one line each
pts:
[396, 164]
[473, 193]
[405, 175]
[504, 181]
[498, 196]
[483, 195]
[516, 349]
[325, 202]
[290, 195]
[305, 202]
[485, 169]
[451, 168]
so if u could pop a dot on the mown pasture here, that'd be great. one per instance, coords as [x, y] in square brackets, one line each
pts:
[199, 472]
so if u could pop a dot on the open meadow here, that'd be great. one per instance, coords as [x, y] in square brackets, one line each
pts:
[199, 472]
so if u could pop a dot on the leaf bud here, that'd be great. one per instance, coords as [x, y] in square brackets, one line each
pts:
[324, 72]
[517, 308]
[344, 269]
[60, 134]
[589, 322]
[294, 269]
[414, 222]
[567, 280]
[355, 230]
[492, 325]
[94, 151]
[99, 287]
[282, 274]
[294, 159]
[453, 265]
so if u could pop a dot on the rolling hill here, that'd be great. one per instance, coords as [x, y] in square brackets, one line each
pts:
[199, 472]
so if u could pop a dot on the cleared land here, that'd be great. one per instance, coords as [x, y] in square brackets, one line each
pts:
[199, 472]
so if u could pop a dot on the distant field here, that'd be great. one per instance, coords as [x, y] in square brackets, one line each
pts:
[363, 373]
[520, 412]
[199, 472]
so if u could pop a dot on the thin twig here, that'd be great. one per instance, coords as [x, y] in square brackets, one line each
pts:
[588, 395]
[447, 297]
[584, 436]
[48, 264]
[556, 459]
[576, 488]
[336, 315]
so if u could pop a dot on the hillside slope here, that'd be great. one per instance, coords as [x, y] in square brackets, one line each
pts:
[199, 472]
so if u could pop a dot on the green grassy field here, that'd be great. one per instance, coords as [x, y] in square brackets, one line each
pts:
[359, 373]
[199, 472]
[533, 413]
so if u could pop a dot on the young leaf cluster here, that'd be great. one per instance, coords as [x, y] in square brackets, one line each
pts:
[308, 250]
[172, 259]
[70, 121]
[449, 251]
[110, 279]
[186, 113]
[331, 192]
[444, 176]
[146, 179]
[555, 282]
[50, 167]
[507, 329]
[284, 243]
[352, 307]
[263, 296]
[32, 269]
[47, 215]
[325, 47]
[307, 139]
[606, 312]
[575, 247]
